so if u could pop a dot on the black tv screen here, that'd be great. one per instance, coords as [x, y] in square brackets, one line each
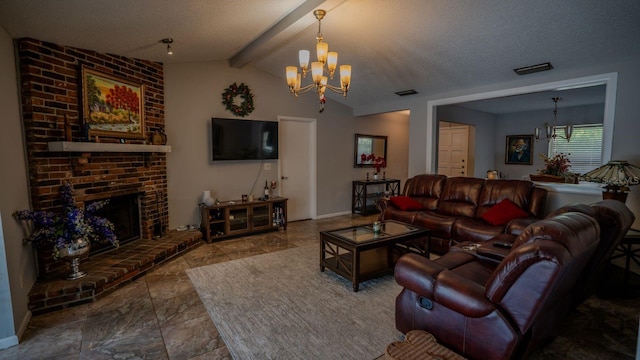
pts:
[244, 139]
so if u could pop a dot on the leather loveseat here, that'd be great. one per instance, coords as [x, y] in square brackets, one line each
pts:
[522, 291]
[456, 209]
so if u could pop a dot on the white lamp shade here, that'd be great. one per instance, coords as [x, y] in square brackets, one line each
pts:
[323, 82]
[568, 131]
[322, 48]
[345, 75]
[303, 58]
[292, 74]
[332, 61]
[316, 71]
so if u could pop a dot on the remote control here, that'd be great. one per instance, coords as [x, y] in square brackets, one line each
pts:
[504, 245]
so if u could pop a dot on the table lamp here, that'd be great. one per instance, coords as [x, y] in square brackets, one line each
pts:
[618, 175]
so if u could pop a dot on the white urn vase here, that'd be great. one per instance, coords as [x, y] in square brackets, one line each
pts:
[207, 199]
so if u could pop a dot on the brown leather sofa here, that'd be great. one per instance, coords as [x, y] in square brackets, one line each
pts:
[551, 283]
[453, 208]
[487, 310]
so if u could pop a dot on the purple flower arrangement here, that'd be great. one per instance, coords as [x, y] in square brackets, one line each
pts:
[72, 223]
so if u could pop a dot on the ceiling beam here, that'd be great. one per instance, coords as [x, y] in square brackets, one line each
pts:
[294, 22]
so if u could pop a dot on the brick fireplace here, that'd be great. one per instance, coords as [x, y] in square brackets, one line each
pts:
[50, 91]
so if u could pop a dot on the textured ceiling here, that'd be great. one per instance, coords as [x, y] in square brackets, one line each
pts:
[432, 46]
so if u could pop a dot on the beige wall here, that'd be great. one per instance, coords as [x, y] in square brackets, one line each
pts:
[395, 126]
[13, 196]
[193, 97]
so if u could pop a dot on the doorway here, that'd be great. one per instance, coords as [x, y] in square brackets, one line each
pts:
[454, 144]
[609, 80]
[297, 166]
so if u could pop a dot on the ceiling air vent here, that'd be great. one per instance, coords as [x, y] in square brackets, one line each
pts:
[406, 92]
[533, 68]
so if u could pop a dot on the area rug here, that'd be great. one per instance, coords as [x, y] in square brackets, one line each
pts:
[280, 306]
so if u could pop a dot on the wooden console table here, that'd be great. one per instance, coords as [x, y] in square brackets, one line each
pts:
[364, 197]
[236, 217]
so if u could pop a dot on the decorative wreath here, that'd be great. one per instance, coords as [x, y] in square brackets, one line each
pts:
[244, 92]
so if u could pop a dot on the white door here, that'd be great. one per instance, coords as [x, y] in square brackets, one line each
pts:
[297, 152]
[453, 151]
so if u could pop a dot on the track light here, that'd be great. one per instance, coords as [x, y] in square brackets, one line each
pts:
[168, 41]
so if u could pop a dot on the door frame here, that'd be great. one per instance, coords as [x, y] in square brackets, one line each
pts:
[312, 164]
[608, 79]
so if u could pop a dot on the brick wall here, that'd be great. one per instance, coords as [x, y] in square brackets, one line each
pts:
[50, 89]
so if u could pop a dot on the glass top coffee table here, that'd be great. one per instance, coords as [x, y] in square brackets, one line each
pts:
[359, 254]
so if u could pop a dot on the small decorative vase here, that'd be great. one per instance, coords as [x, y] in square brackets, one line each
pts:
[72, 253]
[376, 176]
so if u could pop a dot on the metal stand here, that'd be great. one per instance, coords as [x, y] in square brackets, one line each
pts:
[76, 273]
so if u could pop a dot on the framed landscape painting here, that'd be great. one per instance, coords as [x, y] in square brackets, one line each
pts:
[518, 150]
[112, 107]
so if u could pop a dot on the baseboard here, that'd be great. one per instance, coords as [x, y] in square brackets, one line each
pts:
[8, 342]
[24, 324]
[14, 340]
[325, 216]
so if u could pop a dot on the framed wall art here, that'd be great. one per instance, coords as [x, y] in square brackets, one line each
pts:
[518, 150]
[112, 107]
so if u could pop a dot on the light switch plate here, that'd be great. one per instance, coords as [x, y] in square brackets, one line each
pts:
[267, 166]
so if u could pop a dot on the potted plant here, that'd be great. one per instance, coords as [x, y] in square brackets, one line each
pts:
[377, 162]
[556, 169]
[70, 231]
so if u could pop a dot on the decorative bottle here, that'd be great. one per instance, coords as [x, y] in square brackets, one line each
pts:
[266, 190]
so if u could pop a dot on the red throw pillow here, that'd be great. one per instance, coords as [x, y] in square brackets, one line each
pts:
[503, 212]
[406, 203]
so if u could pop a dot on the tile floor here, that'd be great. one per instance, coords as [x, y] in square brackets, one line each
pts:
[158, 316]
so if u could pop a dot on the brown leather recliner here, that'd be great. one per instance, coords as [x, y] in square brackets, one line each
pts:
[486, 311]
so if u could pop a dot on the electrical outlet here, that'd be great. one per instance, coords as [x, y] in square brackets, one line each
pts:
[267, 166]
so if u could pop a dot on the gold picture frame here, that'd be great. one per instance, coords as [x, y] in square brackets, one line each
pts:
[519, 150]
[112, 107]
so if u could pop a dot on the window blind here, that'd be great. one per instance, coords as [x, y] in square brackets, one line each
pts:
[584, 150]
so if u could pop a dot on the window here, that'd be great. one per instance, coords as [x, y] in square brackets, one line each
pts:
[584, 149]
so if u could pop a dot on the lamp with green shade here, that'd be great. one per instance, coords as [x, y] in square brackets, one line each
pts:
[617, 175]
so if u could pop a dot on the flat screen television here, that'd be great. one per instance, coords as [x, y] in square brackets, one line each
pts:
[244, 139]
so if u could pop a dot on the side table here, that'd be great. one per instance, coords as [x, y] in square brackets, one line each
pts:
[363, 199]
[626, 250]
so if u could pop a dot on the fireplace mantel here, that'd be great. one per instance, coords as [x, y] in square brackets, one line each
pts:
[68, 146]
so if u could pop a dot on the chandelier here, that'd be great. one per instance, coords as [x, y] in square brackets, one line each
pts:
[551, 130]
[320, 81]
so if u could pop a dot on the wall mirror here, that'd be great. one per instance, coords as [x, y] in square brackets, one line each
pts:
[368, 144]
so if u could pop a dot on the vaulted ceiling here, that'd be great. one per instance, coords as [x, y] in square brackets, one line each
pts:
[431, 46]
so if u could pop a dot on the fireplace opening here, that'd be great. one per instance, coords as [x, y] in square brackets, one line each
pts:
[124, 212]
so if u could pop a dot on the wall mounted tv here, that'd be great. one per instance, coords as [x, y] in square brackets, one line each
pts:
[244, 139]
